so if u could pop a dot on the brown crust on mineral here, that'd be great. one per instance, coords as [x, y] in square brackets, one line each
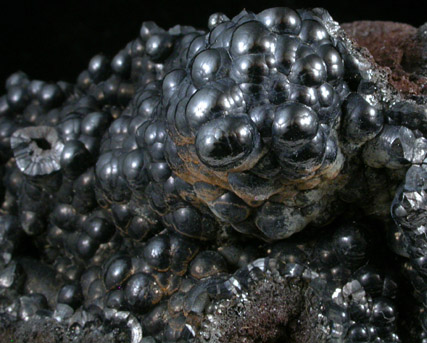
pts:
[399, 47]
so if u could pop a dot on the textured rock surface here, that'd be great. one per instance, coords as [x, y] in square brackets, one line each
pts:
[400, 47]
[260, 175]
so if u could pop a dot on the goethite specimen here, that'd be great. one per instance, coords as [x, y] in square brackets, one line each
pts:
[161, 197]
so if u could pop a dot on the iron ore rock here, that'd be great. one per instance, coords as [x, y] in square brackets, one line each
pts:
[259, 181]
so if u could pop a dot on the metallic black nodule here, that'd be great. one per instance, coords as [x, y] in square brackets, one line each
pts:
[226, 142]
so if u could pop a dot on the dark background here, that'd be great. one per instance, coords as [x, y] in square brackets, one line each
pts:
[54, 41]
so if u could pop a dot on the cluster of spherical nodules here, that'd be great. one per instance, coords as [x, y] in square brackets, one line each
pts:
[361, 305]
[145, 192]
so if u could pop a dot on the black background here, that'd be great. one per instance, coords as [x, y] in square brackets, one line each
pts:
[54, 41]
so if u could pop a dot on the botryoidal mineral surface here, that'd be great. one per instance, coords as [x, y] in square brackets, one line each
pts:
[263, 180]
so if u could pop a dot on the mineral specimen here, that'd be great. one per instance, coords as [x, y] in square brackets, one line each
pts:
[231, 185]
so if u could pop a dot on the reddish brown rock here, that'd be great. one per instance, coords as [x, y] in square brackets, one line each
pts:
[400, 47]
